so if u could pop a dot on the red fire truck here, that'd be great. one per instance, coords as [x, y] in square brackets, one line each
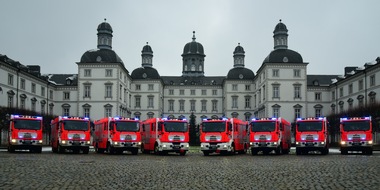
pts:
[356, 135]
[312, 135]
[163, 135]
[116, 135]
[268, 134]
[25, 132]
[70, 133]
[223, 136]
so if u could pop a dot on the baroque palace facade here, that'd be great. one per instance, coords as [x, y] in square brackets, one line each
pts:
[104, 87]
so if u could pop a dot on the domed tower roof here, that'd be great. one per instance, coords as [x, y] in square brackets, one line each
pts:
[147, 49]
[239, 50]
[283, 56]
[105, 26]
[145, 73]
[193, 47]
[280, 27]
[100, 56]
[147, 56]
[240, 73]
[105, 35]
[239, 55]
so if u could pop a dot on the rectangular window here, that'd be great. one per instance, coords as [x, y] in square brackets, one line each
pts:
[181, 92]
[51, 94]
[10, 79]
[10, 101]
[171, 92]
[33, 106]
[297, 92]
[22, 84]
[171, 105]
[150, 86]
[275, 73]
[108, 91]
[350, 89]
[192, 105]
[204, 93]
[150, 102]
[276, 92]
[214, 106]
[66, 111]
[234, 87]
[192, 92]
[108, 112]
[87, 72]
[87, 91]
[372, 80]
[214, 92]
[51, 108]
[33, 88]
[42, 91]
[333, 95]
[317, 96]
[297, 113]
[86, 112]
[247, 102]
[297, 73]
[66, 95]
[204, 105]
[138, 87]
[125, 95]
[42, 108]
[264, 94]
[182, 105]
[318, 112]
[22, 103]
[341, 92]
[108, 72]
[247, 87]
[137, 102]
[276, 112]
[360, 85]
[234, 102]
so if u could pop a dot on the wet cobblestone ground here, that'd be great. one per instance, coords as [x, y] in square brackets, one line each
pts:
[25, 170]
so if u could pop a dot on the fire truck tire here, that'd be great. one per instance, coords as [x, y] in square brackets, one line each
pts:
[60, 149]
[54, 149]
[343, 151]
[206, 153]
[143, 150]
[286, 151]
[135, 151]
[253, 152]
[38, 149]
[325, 151]
[298, 152]
[86, 150]
[110, 149]
[11, 149]
[156, 150]
[182, 153]
[279, 150]
[368, 152]
[232, 149]
[97, 149]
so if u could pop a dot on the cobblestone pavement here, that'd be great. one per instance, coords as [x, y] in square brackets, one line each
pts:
[48, 170]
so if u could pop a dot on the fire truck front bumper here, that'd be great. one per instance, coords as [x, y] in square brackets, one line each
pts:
[354, 144]
[23, 142]
[263, 144]
[68, 143]
[168, 146]
[126, 145]
[215, 146]
[304, 144]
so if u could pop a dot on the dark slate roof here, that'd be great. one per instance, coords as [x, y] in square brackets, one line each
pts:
[147, 49]
[145, 73]
[105, 56]
[193, 48]
[320, 80]
[240, 73]
[278, 56]
[62, 79]
[239, 49]
[170, 80]
[104, 26]
[280, 27]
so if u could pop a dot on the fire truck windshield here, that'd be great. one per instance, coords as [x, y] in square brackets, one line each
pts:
[27, 124]
[309, 126]
[263, 126]
[127, 126]
[214, 126]
[75, 125]
[356, 126]
[175, 126]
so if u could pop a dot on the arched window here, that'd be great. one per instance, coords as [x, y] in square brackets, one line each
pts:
[193, 67]
[200, 68]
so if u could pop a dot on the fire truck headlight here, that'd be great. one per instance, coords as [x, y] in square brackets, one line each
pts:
[139, 143]
[164, 145]
[40, 141]
[250, 143]
[297, 142]
[225, 146]
[322, 142]
[115, 143]
[370, 142]
[63, 142]
[343, 142]
[187, 146]
[275, 143]
[88, 142]
[14, 140]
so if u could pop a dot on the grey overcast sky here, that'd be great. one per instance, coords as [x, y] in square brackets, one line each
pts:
[329, 34]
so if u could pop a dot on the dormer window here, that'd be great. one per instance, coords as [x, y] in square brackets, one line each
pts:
[68, 82]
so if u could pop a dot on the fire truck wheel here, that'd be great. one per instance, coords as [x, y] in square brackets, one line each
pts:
[60, 149]
[110, 149]
[232, 149]
[343, 151]
[38, 149]
[253, 152]
[278, 150]
[86, 150]
[325, 151]
[156, 150]
[206, 153]
[54, 149]
[367, 152]
[298, 152]
[11, 149]
[182, 153]
[135, 151]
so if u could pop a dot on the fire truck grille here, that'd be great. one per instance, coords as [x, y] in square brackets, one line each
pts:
[176, 138]
[262, 138]
[27, 135]
[128, 137]
[76, 136]
[212, 138]
[309, 137]
[356, 138]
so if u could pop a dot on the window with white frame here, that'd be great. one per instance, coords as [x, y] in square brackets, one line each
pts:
[51, 94]
[108, 72]
[318, 112]
[276, 112]
[42, 91]
[66, 111]
[317, 96]
[341, 92]
[171, 92]
[234, 102]
[137, 101]
[22, 103]
[341, 106]
[10, 79]
[108, 93]
[87, 91]
[214, 92]
[66, 95]
[87, 72]
[350, 88]
[108, 111]
[204, 92]
[297, 112]
[360, 84]
[247, 101]
[247, 87]
[150, 102]
[297, 91]
[33, 88]
[192, 105]
[235, 87]
[181, 92]
[171, 105]
[333, 95]
[275, 73]
[214, 105]
[372, 80]
[33, 105]
[86, 112]
[22, 84]
[276, 91]
[182, 105]
[138, 87]
[10, 101]
[297, 73]
[204, 105]
[192, 92]
[150, 86]
[51, 108]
